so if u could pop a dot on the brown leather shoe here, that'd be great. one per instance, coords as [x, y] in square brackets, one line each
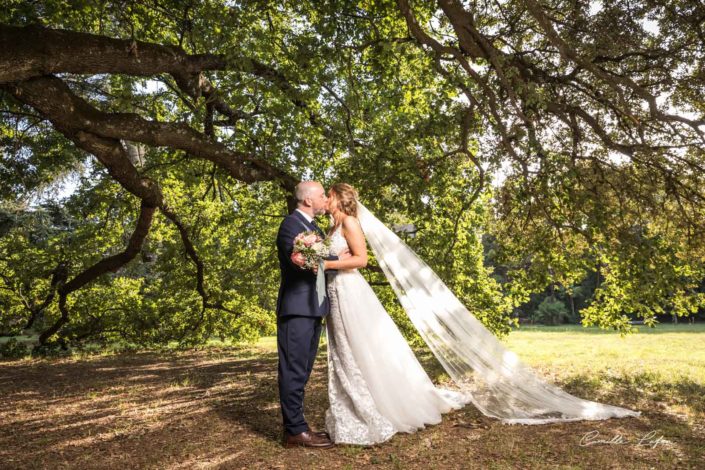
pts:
[307, 439]
[321, 433]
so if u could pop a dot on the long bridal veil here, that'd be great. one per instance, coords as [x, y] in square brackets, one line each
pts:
[492, 376]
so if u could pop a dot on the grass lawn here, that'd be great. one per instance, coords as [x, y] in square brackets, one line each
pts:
[669, 351]
[218, 408]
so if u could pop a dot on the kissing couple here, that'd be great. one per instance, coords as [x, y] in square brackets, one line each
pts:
[376, 385]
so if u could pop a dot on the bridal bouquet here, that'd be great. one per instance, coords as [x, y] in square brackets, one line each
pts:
[309, 249]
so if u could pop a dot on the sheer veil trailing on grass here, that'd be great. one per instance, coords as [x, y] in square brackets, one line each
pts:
[493, 377]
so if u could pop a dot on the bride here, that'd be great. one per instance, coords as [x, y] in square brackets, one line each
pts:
[377, 387]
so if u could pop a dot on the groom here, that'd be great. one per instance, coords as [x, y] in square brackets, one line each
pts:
[299, 318]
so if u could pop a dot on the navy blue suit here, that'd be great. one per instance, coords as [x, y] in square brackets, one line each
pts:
[298, 324]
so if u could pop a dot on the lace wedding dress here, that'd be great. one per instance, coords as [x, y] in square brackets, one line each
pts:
[376, 386]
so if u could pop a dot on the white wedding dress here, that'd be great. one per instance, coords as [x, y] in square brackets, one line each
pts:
[376, 386]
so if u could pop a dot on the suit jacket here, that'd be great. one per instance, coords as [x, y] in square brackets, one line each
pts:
[297, 291]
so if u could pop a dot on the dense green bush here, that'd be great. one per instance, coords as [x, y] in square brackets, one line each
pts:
[13, 349]
[551, 312]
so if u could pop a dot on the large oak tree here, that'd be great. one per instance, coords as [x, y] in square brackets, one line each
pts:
[207, 114]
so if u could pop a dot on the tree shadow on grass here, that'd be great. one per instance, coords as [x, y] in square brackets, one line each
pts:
[671, 407]
[257, 408]
[179, 410]
[70, 408]
[639, 387]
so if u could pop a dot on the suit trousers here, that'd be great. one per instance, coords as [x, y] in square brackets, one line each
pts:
[297, 345]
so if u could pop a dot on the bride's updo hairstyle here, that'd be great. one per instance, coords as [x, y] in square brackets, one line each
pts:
[346, 197]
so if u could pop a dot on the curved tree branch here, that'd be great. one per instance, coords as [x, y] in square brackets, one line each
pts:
[111, 263]
[72, 114]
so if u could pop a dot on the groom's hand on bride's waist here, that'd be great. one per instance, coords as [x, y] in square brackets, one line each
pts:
[345, 254]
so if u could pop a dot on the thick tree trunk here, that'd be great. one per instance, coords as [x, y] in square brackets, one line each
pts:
[32, 51]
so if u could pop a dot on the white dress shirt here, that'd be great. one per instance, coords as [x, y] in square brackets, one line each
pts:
[308, 217]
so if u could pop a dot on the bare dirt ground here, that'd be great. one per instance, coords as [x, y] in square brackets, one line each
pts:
[218, 408]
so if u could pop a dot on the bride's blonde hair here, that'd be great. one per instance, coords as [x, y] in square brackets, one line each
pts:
[346, 197]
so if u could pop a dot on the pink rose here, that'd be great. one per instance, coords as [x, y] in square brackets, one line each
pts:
[298, 258]
[309, 240]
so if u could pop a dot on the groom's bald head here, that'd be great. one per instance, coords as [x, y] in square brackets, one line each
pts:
[307, 189]
[311, 197]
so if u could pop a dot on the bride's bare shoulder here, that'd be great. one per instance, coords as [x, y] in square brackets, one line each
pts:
[351, 222]
[351, 225]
